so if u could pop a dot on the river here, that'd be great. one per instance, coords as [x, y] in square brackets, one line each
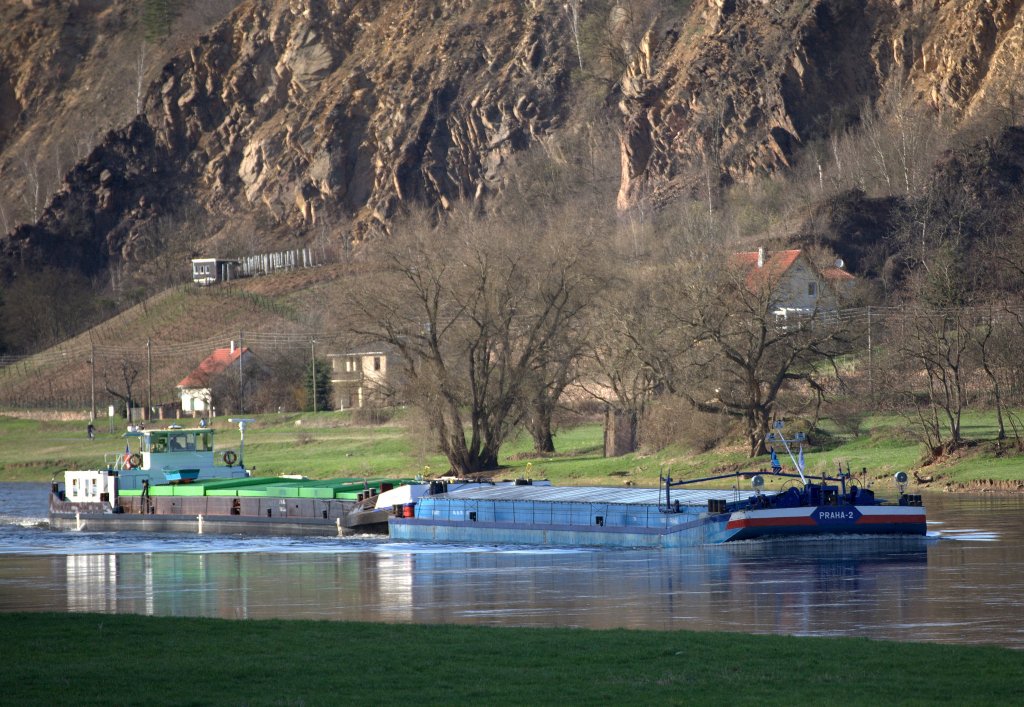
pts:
[963, 584]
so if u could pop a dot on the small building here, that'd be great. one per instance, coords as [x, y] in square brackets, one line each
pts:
[209, 271]
[358, 379]
[798, 285]
[197, 387]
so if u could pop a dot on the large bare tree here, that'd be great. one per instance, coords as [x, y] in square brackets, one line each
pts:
[474, 309]
[713, 336]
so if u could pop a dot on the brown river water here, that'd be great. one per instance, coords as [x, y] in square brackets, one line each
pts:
[964, 583]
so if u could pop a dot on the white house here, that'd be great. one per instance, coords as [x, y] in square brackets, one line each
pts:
[208, 271]
[798, 286]
[196, 387]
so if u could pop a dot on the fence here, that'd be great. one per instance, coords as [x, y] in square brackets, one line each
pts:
[252, 265]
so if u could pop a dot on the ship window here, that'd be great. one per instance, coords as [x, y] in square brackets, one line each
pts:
[176, 443]
[159, 445]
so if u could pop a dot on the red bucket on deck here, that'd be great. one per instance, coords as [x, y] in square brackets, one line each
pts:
[409, 510]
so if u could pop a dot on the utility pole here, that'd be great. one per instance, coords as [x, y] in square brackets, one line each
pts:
[92, 384]
[241, 386]
[871, 381]
[149, 384]
[312, 359]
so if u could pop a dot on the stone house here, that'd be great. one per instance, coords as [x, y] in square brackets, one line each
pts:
[359, 379]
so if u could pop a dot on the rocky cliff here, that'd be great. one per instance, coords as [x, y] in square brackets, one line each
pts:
[741, 85]
[298, 113]
[289, 120]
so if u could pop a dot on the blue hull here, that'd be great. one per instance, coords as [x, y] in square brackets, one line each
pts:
[676, 531]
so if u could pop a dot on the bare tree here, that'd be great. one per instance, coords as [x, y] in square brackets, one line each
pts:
[140, 76]
[34, 190]
[988, 336]
[123, 384]
[742, 355]
[935, 341]
[554, 369]
[572, 9]
[470, 310]
[617, 373]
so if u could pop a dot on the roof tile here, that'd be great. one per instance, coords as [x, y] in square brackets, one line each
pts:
[215, 363]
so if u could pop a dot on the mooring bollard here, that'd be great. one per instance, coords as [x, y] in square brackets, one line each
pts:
[200, 519]
[78, 520]
[337, 522]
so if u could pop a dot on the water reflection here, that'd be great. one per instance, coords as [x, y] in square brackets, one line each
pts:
[810, 591]
[92, 583]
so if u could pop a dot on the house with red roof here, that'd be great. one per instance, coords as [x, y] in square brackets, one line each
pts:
[795, 283]
[197, 387]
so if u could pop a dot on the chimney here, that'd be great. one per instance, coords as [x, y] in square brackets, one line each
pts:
[232, 346]
[760, 264]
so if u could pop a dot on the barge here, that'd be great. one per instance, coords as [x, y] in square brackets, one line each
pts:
[171, 480]
[581, 516]
[677, 514]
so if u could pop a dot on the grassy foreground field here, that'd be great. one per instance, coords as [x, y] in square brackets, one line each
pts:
[334, 444]
[109, 659]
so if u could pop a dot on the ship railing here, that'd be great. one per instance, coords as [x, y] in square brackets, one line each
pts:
[115, 460]
[666, 483]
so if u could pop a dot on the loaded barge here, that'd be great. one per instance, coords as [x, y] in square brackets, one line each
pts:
[171, 482]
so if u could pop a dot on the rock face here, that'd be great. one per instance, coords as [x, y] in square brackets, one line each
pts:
[291, 118]
[739, 86]
[306, 107]
[308, 112]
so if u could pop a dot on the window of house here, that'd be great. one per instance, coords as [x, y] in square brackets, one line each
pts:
[812, 289]
[376, 363]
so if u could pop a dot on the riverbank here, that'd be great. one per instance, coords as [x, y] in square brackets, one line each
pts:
[342, 444]
[124, 659]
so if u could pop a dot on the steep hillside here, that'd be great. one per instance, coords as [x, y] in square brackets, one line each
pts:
[271, 123]
[155, 344]
[293, 115]
[69, 73]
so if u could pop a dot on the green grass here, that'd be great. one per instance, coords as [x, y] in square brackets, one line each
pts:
[122, 659]
[333, 444]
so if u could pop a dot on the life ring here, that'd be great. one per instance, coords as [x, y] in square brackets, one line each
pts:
[134, 461]
[230, 458]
